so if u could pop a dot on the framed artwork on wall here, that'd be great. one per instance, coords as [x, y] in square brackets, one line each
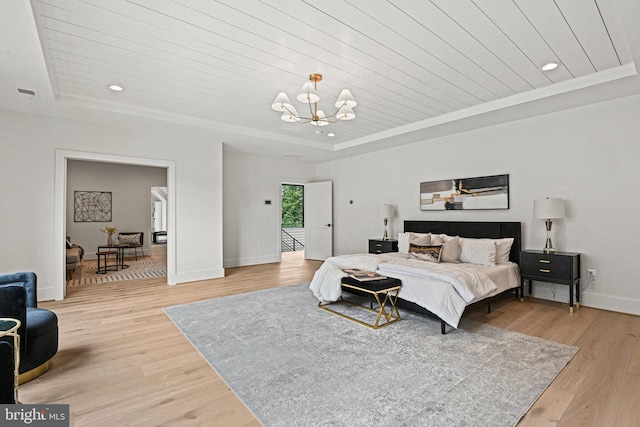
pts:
[485, 192]
[92, 206]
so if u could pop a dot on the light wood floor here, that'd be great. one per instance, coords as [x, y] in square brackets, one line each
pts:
[122, 362]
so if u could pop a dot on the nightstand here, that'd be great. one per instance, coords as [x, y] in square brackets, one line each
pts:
[379, 246]
[558, 267]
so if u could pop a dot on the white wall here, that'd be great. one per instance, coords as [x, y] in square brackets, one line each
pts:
[28, 169]
[587, 156]
[130, 188]
[251, 228]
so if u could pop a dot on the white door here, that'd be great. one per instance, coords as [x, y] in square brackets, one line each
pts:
[318, 220]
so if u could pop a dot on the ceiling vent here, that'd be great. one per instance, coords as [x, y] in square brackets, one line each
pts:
[26, 92]
[292, 156]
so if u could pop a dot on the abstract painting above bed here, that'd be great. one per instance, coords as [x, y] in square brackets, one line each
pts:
[484, 192]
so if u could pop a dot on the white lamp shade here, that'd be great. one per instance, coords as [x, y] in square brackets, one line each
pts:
[308, 94]
[385, 211]
[346, 99]
[548, 208]
[346, 113]
[282, 102]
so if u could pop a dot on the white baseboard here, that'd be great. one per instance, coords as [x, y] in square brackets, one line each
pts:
[607, 302]
[195, 276]
[241, 262]
[587, 299]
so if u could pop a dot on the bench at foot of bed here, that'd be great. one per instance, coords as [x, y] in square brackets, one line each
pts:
[384, 293]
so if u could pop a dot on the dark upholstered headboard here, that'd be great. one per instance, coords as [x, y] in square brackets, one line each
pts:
[472, 229]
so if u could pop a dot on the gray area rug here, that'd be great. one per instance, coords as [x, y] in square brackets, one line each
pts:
[293, 364]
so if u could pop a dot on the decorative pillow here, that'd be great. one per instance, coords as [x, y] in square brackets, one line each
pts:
[450, 247]
[427, 253]
[129, 239]
[478, 251]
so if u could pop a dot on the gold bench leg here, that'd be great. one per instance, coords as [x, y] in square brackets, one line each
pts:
[392, 315]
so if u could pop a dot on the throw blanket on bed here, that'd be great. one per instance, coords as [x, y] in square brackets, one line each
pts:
[470, 284]
[467, 281]
[325, 284]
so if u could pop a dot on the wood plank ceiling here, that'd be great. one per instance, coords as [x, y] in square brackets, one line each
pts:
[405, 61]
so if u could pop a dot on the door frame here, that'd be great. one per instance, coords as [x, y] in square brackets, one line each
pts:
[60, 208]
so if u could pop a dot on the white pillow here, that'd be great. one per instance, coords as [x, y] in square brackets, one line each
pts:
[421, 239]
[478, 251]
[436, 239]
[503, 249]
[403, 242]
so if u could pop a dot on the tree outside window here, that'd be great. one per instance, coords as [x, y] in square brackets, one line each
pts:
[292, 206]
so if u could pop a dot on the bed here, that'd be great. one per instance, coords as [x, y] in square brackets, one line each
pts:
[443, 289]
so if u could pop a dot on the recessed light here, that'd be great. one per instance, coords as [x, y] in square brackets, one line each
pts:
[115, 87]
[549, 66]
[331, 135]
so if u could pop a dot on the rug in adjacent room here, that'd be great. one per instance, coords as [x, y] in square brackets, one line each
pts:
[294, 364]
[142, 268]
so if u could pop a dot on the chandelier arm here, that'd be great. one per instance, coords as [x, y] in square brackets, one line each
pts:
[335, 114]
[311, 108]
[291, 112]
[326, 119]
[312, 118]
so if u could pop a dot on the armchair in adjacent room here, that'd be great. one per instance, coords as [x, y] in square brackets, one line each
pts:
[39, 329]
[133, 240]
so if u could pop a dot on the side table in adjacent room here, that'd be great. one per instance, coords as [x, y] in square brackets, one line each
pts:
[104, 257]
[9, 328]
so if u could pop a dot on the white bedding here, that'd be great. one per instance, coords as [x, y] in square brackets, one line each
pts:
[445, 289]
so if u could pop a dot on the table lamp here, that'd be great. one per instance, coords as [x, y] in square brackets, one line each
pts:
[385, 211]
[548, 209]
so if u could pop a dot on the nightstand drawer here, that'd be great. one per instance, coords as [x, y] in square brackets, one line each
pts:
[549, 266]
[379, 246]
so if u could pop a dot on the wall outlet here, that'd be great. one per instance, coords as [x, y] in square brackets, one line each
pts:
[591, 272]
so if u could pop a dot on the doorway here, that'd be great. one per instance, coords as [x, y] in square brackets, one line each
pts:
[292, 221]
[60, 214]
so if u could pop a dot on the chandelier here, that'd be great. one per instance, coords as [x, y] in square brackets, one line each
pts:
[309, 96]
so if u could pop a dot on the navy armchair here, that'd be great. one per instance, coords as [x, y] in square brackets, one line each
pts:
[39, 329]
